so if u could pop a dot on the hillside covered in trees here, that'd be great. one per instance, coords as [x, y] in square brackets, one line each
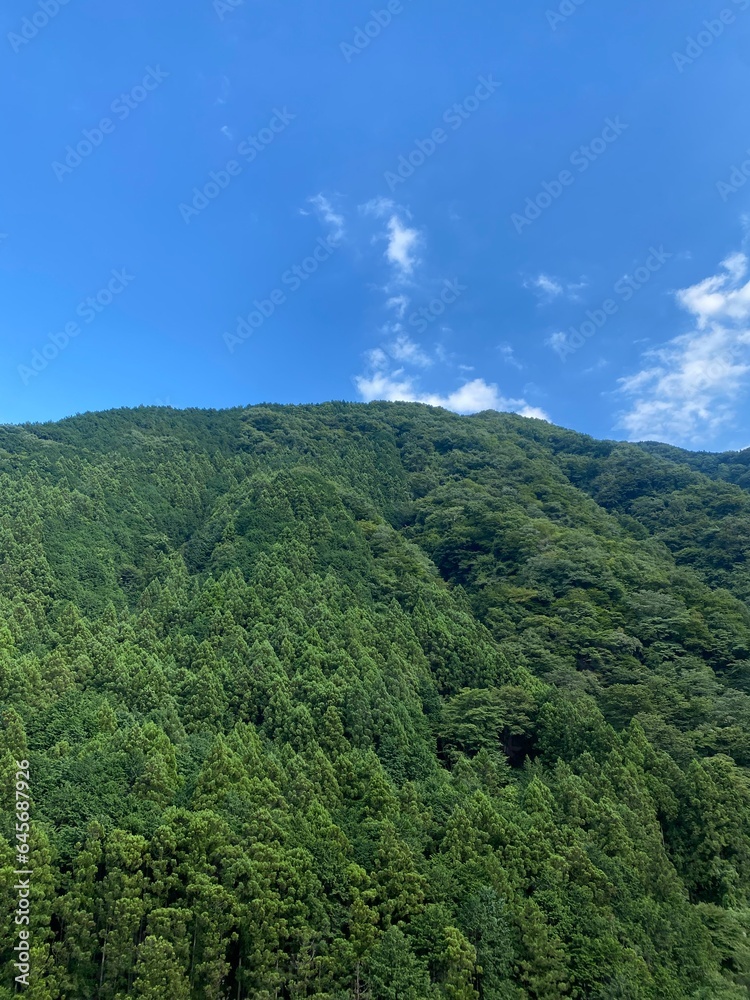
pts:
[373, 702]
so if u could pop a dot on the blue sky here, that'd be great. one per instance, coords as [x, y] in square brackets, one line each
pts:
[541, 208]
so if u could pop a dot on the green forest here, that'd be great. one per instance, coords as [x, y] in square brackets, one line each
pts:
[372, 702]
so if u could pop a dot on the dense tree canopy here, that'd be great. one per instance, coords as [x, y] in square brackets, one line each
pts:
[374, 702]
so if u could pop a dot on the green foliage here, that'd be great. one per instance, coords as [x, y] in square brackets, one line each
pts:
[374, 703]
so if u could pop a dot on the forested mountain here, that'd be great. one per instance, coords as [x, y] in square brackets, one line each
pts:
[374, 702]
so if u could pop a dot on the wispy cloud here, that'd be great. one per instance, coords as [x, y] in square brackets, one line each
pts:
[509, 356]
[688, 388]
[402, 239]
[395, 369]
[407, 351]
[548, 288]
[403, 242]
[225, 90]
[328, 215]
[601, 363]
[378, 207]
[558, 341]
[400, 303]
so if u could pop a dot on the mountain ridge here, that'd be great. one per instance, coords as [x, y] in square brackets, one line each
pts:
[354, 700]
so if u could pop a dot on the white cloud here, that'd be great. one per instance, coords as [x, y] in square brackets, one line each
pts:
[688, 389]
[402, 246]
[736, 265]
[393, 369]
[377, 358]
[558, 342]
[508, 355]
[471, 397]
[478, 395]
[711, 299]
[601, 363]
[400, 303]
[394, 384]
[403, 240]
[549, 288]
[377, 207]
[533, 412]
[384, 384]
[405, 350]
[325, 210]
